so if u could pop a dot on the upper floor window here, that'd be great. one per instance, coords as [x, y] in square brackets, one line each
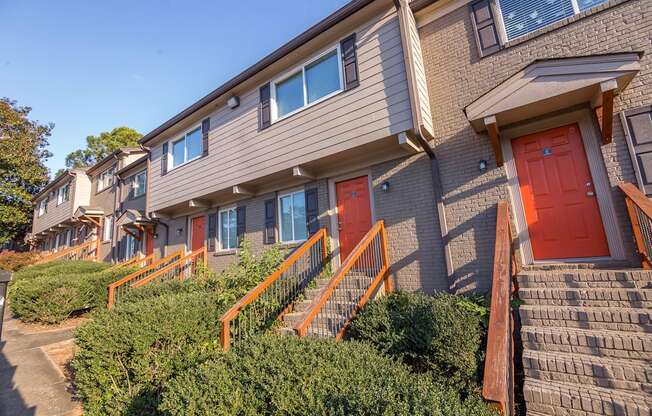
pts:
[521, 17]
[138, 184]
[43, 207]
[107, 229]
[228, 235]
[187, 148]
[314, 81]
[63, 194]
[105, 180]
[293, 217]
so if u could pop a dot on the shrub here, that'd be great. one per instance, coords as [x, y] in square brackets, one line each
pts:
[275, 375]
[441, 334]
[53, 297]
[56, 268]
[13, 261]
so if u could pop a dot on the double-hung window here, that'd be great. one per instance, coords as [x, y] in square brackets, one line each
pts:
[105, 180]
[131, 246]
[63, 194]
[42, 207]
[293, 217]
[228, 234]
[314, 81]
[107, 229]
[521, 17]
[187, 148]
[138, 183]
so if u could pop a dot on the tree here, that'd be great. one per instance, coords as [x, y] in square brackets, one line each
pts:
[98, 147]
[23, 152]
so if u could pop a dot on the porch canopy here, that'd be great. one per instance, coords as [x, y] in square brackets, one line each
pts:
[89, 214]
[133, 222]
[549, 85]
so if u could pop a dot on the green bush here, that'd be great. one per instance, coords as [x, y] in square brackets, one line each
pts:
[441, 334]
[13, 261]
[53, 297]
[275, 375]
[56, 268]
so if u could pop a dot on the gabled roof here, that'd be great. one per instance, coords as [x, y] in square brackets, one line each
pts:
[58, 180]
[113, 155]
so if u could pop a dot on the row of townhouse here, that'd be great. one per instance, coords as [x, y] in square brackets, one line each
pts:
[424, 115]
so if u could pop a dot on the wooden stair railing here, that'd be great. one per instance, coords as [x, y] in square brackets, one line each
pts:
[639, 208]
[271, 298]
[84, 251]
[179, 269]
[118, 288]
[350, 288]
[134, 262]
[498, 382]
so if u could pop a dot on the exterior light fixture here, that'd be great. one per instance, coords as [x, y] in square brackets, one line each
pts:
[482, 165]
[179, 231]
[233, 101]
[385, 186]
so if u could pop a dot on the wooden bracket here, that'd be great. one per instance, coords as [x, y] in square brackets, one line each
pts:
[603, 105]
[198, 203]
[131, 234]
[241, 190]
[301, 172]
[494, 138]
[94, 221]
[407, 143]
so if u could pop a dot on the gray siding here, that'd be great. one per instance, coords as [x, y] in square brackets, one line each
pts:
[238, 152]
[55, 213]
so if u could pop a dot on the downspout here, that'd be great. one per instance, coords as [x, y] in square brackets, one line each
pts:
[420, 134]
[148, 214]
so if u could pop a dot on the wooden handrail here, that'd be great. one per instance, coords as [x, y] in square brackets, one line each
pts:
[191, 256]
[319, 302]
[637, 201]
[254, 293]
[63, 253]
[144, 261]
[498, 382]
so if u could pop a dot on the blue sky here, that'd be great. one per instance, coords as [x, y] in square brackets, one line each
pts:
[89, 66]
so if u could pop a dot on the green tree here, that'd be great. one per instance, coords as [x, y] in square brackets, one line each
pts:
[98, 147]
[23, 152]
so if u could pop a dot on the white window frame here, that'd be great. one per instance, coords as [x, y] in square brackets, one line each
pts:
[220, 246]
[134, 179]
[107, 227]
[302, 68]
[42, 207]
[170, 155]
[102, 178]
[136, 248]
[280, 216]
[60, 194]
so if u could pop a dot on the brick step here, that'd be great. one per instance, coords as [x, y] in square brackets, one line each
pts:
[557, 398]
[599, 297]
[586, 278]
[632, 375]
[605, 343]
[586, 317]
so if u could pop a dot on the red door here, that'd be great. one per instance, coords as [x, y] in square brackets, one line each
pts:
[197, 233]
[353, 213]
[149, 243]
[559, 198]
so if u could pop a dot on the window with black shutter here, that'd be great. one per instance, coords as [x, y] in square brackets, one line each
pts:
[212, 231]
[205, 127]
[484, 25]
[241, 218]
[638, 126]
[349, 62]
[265, 109]
[312, 211]
[270, 222]
[164, 159]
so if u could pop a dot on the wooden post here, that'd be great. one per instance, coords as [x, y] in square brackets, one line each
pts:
[225, 336]
[638, 236]
[387, 283]
[111, 297]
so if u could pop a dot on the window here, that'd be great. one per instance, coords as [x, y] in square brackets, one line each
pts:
[68, 237]
[293, 217]
[187, 148]
[105, 180]
[138, 182]
[131, 245]
[522, 17]
[107, 229]
[314, 81]
[228, 235]
[42, 207]
[63, 194]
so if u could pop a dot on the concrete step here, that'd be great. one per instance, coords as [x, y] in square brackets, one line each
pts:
[629, 375]
[586, 317]
[598, 297]
[302, 305]
[586, 279]
[605, 343]
[557, 398]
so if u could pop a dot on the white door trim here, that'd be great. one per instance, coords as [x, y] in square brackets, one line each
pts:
[332, 211]
[590, 138]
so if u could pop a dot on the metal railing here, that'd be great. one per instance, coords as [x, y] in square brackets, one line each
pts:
[273, 296]
[84, 251]
[639, 208]
[498, 382]
[356, 281]
[117, 289]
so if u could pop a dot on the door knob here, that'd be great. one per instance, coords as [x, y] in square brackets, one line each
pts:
[590, 193]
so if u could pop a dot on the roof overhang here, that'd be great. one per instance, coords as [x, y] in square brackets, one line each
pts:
[135, 219]
[551, 85]
[89, 214]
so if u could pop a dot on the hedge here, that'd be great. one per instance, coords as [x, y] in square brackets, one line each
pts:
[13, 261]
[275, 375]
[60, 267]
[56, 293]
[442, 334]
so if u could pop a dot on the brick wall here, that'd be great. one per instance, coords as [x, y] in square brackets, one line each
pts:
[457, 76]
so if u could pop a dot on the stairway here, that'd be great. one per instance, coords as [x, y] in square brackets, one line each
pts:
[587, 341]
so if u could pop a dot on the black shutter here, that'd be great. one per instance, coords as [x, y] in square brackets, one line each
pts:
[312, 211]
[270, 222]
[486, 34]
[349, 63]
[241, 218]
[205, 127]
[639, 141]
[164, 159]
[212, 231]
[265, 109]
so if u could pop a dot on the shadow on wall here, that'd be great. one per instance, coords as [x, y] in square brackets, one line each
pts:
[11, 402]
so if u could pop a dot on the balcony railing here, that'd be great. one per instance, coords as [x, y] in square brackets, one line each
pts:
[639, 208]
[273, 296]
[84, 251]
[356, 281]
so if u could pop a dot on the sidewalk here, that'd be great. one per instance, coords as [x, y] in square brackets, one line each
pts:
[31, 384]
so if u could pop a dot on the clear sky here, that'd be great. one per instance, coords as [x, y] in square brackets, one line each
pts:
[89, 66]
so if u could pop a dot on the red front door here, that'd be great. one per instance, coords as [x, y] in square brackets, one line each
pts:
[197, 233]
[353, 213]
[149, 243]
[559, 198]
